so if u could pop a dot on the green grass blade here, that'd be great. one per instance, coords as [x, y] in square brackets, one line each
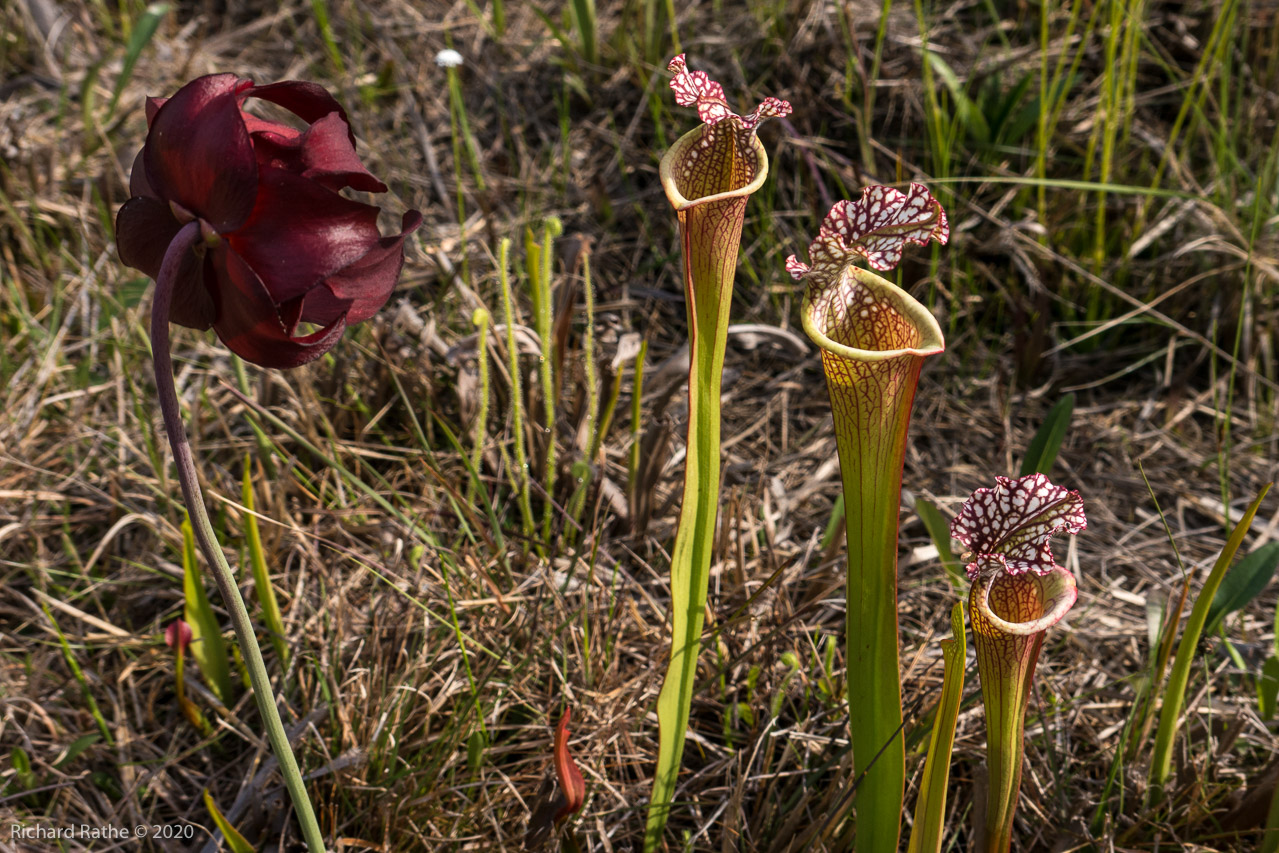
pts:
[1043, 449]
[78, 674]
[969, 115]
[930, 810]
[145, 28]
[206, 635]
[237, 842]
[538, 260]
[1175, 694]
[261, 577]
[320, 9]
[585, 20]
[1268, 688]
[517, 393]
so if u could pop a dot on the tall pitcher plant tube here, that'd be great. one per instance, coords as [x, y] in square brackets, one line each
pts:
[708, 174]
[1018, 593]
[874, 338]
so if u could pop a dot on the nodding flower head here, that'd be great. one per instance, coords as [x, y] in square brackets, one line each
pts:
[721, 156]
[281, 245]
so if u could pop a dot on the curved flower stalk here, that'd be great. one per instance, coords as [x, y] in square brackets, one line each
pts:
[241, 223]
[1018, 593]
[708, 174]
[874, 338]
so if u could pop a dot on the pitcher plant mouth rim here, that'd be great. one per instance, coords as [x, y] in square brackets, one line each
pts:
[931, 340]
[693, 137]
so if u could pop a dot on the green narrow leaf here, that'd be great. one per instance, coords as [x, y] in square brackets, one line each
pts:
[261, 577]
[237, 842]
[1270, 840]
[1175, 693]
[539, 263]
[517, 393]
[833, 525]
[1242, 584]
[206, 636]
[1043, 448]
[584, 18]
[1268, 688]
[475, 746]
[939, 531]
[930, 810]
[77, 748]
[78, 673]
[320, 10]
[145, 28]
[22, 768]
[965, 110]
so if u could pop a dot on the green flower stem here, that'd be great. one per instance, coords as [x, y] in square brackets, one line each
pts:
[710, 205]
[182, 243]
[874, 338]
[1010, 614]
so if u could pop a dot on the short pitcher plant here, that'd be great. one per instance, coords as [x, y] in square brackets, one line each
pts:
[874, 338]
[1018, 593]
[241, 223]
[708, 175]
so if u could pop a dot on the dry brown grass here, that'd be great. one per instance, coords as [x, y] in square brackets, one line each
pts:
[89, 536]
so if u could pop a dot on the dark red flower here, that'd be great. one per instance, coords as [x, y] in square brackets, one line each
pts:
[281, 245]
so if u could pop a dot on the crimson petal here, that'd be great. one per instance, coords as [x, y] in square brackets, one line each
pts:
[258, 126]
[323, 153]
[301, 233]
[249, 322]
[138, 184]
[364, 285]
[152, 107]
[308, 101]
[198, 153]
[143, 230]
[144, 227]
